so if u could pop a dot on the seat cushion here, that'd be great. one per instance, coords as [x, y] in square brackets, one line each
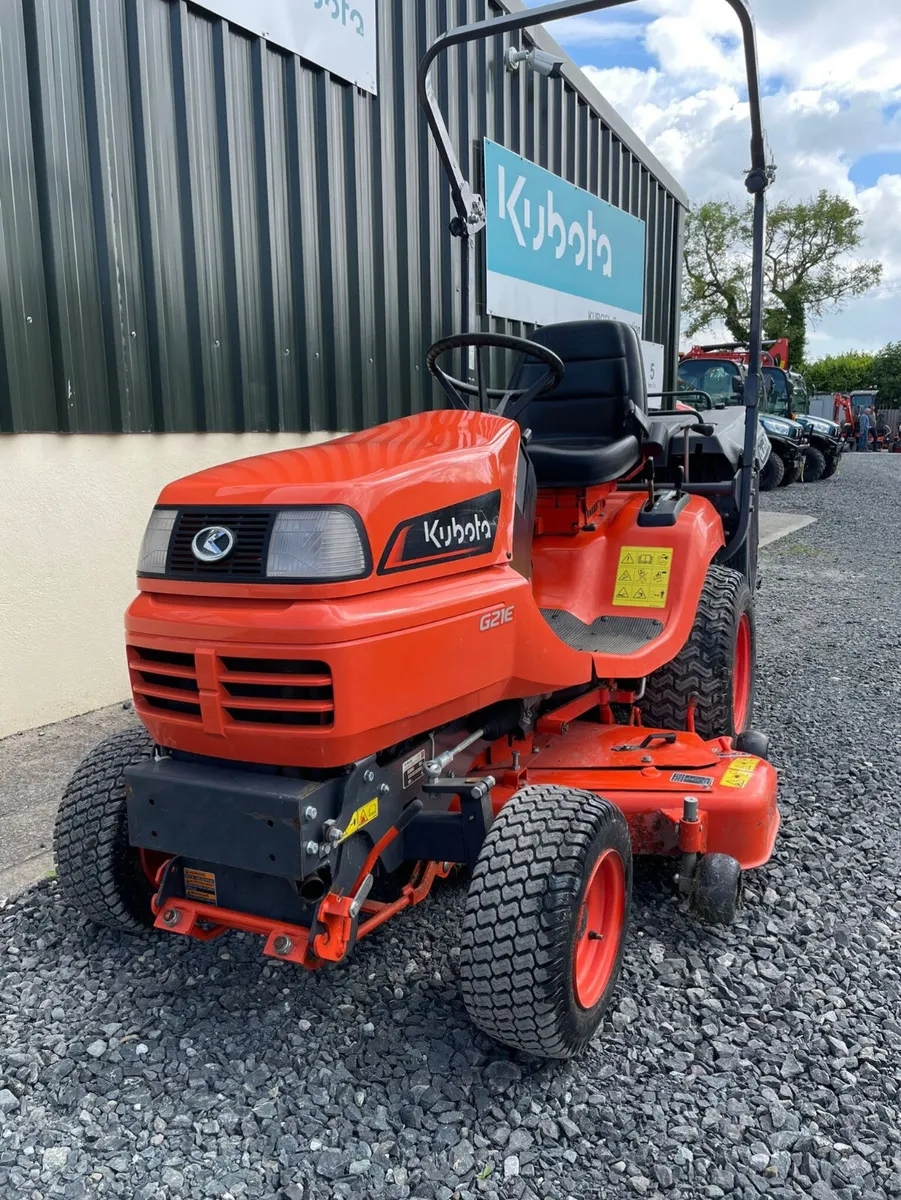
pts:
[575, 462]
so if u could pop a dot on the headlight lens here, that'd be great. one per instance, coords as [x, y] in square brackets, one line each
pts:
[316, 544]
[155, 546]
[780, 427]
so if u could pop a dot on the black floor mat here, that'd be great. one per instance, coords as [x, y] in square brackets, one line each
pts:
[608, 635]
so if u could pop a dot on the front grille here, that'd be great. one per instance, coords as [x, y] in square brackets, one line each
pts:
[251, 527]
[164, 680]
[277, 691]
[249, 691]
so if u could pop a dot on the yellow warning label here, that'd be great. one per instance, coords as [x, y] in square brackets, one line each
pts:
[200, 886]
[362, 817]
[642, 578]
[739, 772]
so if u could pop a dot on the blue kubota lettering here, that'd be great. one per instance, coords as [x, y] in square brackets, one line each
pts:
[586, 240]
[340, 10]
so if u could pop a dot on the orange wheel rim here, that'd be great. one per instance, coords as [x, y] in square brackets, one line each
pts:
[741, 673]
[599, 929]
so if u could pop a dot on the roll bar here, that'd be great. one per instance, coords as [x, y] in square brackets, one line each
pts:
[470, 207]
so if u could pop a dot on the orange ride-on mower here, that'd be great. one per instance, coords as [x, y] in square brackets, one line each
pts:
[362, 663]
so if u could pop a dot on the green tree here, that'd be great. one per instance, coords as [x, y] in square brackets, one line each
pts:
[887, 375]
[849, 372]
[807, 269]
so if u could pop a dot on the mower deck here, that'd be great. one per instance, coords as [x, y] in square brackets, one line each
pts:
[647, 774]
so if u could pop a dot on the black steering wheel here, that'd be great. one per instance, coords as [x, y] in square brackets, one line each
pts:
[511, 401]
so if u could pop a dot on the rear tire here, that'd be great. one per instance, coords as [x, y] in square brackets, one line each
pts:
[771, 475]
[815, 466]
[99, 873]
[717, 664]
[555, 868]
[792, 471]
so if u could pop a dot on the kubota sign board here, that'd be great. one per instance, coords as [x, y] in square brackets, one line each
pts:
[556, 252]
[339, 35]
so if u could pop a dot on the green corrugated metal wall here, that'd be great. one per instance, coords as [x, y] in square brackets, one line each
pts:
[201, 232]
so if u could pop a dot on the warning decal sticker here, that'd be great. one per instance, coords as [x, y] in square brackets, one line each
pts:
[642, 578]
[362, 817]
[200, 886]
[739, 772]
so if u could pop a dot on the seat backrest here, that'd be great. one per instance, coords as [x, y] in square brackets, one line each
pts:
[604, 387]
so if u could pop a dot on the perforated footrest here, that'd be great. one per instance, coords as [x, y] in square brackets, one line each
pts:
[606, 635]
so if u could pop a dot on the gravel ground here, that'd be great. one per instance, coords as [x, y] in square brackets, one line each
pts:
[764, 1060]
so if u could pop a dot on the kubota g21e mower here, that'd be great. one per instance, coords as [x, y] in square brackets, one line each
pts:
[361, 663]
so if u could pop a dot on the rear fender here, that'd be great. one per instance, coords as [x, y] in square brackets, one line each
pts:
[625, 570]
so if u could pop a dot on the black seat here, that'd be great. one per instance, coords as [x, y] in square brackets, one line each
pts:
[589, 429]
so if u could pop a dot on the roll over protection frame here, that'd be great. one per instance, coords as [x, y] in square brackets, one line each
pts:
[470, 207]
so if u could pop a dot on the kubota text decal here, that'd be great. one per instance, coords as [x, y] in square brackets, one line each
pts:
[458, 531]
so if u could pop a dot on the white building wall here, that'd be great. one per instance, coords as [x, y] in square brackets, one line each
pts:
[72, 513]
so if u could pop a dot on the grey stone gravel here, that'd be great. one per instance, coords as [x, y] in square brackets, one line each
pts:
[762, 1060]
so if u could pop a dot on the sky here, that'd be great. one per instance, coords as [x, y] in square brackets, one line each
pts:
[831, 73]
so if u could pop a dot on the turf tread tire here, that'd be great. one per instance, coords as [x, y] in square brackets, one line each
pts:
[519, 926]
[815, 465]
[704, 666]
[98, 872]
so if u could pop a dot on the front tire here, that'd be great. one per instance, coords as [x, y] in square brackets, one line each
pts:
[815, 466]
[716, 665]
[792, 471]
[772, 473]
[546, 919]
[99, 873]
[832, 463]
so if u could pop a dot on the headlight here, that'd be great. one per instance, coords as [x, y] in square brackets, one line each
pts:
[781, 427]
[316, 544]
[155, 546]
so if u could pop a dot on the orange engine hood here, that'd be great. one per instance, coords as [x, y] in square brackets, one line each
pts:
[388, 475]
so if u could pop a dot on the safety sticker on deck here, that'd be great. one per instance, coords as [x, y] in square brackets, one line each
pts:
[697, 781]
[642, 578]
[739, 772]
[200, 886]
[362, 817]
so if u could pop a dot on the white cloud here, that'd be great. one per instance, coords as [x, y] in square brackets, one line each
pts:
[831, 74]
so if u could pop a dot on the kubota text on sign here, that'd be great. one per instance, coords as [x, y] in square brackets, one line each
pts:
[556, 252]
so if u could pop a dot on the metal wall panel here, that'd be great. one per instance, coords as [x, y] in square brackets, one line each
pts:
[199, 231]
